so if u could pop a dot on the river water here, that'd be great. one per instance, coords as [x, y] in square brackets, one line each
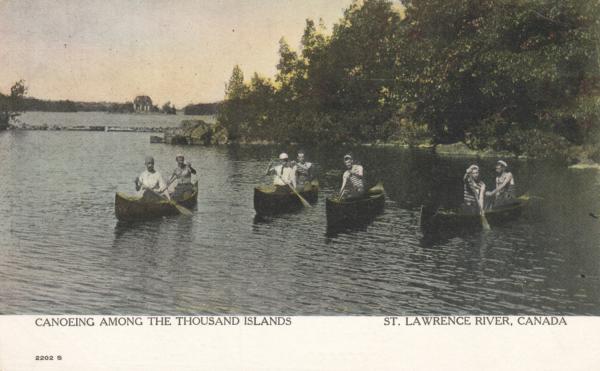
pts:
[63, 252]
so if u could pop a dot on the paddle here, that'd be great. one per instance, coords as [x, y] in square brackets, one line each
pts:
[181, 209]
[302, 200]
[269, 167]
[484, 223]
[342, 190]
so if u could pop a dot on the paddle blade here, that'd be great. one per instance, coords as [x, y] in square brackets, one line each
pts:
[183, 210]
[484, 223]
[304, 202]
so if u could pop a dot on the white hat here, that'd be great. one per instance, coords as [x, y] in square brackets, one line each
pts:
[471, 168]
[283, 156]
[500, 162]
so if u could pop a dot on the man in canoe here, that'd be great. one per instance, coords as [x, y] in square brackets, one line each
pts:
[150, 182]
[182, 175]
[284, 174]
[474, 191]
[353, 183]
[304, 171]
[505, 192]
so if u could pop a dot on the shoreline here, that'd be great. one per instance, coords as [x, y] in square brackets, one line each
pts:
[97, 128]
[447, 150]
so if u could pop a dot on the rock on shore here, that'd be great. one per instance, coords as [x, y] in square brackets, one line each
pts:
[195, 132]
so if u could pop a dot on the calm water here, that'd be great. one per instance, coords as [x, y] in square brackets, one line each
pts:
[70, 119]
[62, 250]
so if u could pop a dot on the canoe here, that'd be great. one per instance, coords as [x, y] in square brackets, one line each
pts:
[458, 219]
[340, 211]
[131, 208]
[270, 201]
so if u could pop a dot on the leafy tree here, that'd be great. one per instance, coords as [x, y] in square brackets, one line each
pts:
[169, 109]
[514, 75]
[12, 105]
[522, 62]
[231, 114]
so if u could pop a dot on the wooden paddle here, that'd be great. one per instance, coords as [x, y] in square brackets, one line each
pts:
[181, 209]
[342, 190]
[484, 223]
[302, 200]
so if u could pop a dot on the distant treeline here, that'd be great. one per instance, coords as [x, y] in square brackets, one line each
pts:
[521, 76]
[201, 109]
[34, 104]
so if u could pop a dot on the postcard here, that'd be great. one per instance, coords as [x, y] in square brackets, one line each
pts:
[342, 184]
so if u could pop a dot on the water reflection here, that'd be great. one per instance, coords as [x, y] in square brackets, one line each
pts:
[353, 227]
[63, 251]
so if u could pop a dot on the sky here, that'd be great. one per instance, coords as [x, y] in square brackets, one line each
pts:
[181, 51]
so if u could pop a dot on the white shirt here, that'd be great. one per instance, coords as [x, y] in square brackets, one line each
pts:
[154, 181]
[287, 176]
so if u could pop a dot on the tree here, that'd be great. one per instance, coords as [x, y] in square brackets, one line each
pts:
[12, 105]
[169, 109]
[232, 116]
[477, 70]
[363, 51]
[235, 88]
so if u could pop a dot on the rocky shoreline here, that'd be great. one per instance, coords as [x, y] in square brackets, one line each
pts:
[198, 132]
[136, 129]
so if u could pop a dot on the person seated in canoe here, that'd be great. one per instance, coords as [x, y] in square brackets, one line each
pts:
[182, 176]
[474, 191]
[353, 183]
[505, 192]
[304, 171]
[150, 182]
[284, 174]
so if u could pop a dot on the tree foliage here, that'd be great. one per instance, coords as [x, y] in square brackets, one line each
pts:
[11, 105]
[485, 72]
[169, 108]
[523, 63]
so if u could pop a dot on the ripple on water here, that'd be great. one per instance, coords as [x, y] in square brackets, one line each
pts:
[61, 250]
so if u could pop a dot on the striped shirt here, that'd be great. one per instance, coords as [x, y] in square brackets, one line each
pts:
[509, 191]
[303, 173]
[471, 190]
[183, 175]
[355, 181]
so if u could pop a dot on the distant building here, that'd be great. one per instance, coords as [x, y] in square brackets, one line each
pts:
[142, 103]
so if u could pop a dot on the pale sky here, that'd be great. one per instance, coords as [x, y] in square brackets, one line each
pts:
[179, 50]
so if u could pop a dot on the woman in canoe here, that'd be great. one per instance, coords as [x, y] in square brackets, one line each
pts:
[304, 171]
[353, 183]
[150, 182]
[284, 174]
[505, 192]
[183, 175]
[474, 191]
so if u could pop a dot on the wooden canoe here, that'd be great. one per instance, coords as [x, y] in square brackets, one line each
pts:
[352, 211]
[458, 219]
[132, 208]
[268, 200]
